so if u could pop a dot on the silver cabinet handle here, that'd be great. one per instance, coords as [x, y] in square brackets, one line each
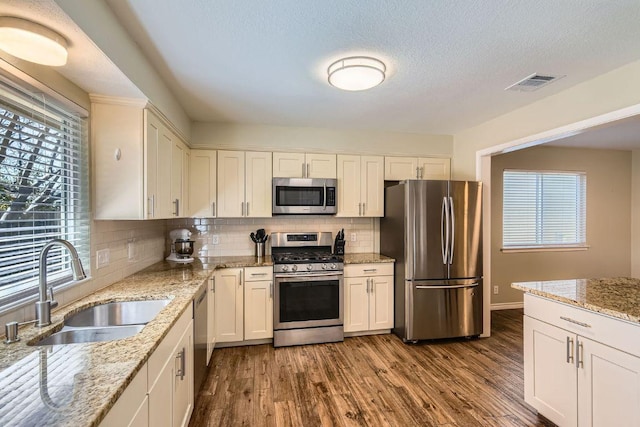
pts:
[367, 285]
[213, 208]
[181, 369]
[213, 284]
[241, 277]
[568, 319]
[580, 355]
[247, 208]
[304, 165]
[152, 206]
[307, 170]
[422, 172]
[271, 290]
[569, 350]
[241, 208]
[372, 286]
[364, 209]
[370, 270]
[359, 209]
[417, 172]
[258, 274]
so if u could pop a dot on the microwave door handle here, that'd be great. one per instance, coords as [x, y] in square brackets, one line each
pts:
[324, 201]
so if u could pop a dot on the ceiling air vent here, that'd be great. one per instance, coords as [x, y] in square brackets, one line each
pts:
[533, 82]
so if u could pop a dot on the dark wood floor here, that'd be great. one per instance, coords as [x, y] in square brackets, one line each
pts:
[372, 381]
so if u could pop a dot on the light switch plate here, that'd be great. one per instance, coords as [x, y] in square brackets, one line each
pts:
[215, 239]
[354, 237]
[102, 258]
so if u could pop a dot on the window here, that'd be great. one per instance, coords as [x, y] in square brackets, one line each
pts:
[43, 189]
[544, 209]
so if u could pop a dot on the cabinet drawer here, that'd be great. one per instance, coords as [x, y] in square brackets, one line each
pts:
[360, 270]
[600, 327]
[254, 274]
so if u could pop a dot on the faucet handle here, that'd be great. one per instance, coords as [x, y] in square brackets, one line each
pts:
[52, 303]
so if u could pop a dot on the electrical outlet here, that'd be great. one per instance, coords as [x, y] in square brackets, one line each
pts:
[131, 250]
[102, 258]
[354, 237]
[215, 239]
[496, 289]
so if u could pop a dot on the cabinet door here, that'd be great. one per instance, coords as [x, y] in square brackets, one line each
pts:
[141, 418]
[258, 310]
[152, 148]
[230, 184]
[211, 318]
[400, 168]
[356, 304]
[372, 186]
[161, 397]
[550, 374]
[177, 171]
[288, 165]
[203, 183]
[321, 165]
[229, 305]
[258, 188]
[434, 168]
[380, 302]
[608, 385]
[164, 205]
[183, 379]
[349, 175]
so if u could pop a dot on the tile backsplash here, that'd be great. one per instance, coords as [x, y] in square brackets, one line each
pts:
[230, 237]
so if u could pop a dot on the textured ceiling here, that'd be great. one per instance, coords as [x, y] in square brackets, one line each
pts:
[619, 135]
[263, 62]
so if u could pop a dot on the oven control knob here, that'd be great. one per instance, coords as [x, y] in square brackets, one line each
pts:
[333, 266]
[309, 266]
[294, 267]
[324, 266]
[285, 267]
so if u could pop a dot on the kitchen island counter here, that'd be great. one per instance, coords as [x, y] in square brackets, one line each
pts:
[617, 297]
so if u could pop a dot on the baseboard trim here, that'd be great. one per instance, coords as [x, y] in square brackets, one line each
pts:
[507, 305]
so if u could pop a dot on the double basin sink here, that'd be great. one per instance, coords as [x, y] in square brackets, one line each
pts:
[106, 322]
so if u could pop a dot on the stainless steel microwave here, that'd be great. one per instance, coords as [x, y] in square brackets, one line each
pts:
[300, 196]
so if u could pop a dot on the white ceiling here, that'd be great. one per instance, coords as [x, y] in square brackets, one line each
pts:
[260, 62]
[619, 135]
[264, 62]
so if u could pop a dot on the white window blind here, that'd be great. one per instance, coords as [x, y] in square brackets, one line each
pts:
[43, 189]
[544, 209]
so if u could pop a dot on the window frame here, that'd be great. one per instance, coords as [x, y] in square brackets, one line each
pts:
[13, 88]
[549, 247]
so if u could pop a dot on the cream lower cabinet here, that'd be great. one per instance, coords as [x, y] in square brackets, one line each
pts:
[360, 186]
[161, 394]
[304, 165]
[368, 297]
[244, 184]
[244, 304]
[202, 183]
[401, 168]
[578, 381]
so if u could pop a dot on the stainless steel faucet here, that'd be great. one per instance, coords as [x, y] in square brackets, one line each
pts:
[44, 305]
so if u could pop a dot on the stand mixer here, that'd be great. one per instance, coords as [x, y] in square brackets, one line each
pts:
[181, 246]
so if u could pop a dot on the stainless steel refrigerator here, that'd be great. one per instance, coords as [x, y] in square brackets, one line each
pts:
[434, 231]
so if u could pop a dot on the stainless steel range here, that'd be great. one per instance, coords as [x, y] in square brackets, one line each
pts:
[309, 302]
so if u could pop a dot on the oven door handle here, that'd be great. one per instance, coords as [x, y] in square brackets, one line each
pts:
[296, 275]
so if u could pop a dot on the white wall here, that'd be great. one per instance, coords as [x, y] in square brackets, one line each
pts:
[267, 138]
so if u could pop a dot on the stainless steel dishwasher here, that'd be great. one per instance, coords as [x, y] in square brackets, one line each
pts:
[200, 339]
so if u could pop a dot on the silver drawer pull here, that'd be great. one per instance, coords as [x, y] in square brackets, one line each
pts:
[568, 319]
[259, 274]
[370, 270]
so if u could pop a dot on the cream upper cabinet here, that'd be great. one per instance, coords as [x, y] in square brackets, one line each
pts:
[244, 184]
[304, 165]
[401, 168]
[132, 160]
[360, 186]
[180, 159]
[203, 178]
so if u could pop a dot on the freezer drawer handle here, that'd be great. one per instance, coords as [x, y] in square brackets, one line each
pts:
[446, 287]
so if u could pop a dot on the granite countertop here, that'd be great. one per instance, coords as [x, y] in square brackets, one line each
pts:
[617, 297]
[76, 385]
[366, 258]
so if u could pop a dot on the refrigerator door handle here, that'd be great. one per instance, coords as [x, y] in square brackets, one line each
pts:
[446, 286]
[443, 220]
[453, 229]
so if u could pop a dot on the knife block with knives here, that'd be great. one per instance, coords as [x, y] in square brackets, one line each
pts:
[338, 247]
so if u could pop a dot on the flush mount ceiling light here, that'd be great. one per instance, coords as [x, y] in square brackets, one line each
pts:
[356, 73]
[32, 42]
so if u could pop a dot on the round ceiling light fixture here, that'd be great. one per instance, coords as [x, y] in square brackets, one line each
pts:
[32, 42]
[356, 73]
